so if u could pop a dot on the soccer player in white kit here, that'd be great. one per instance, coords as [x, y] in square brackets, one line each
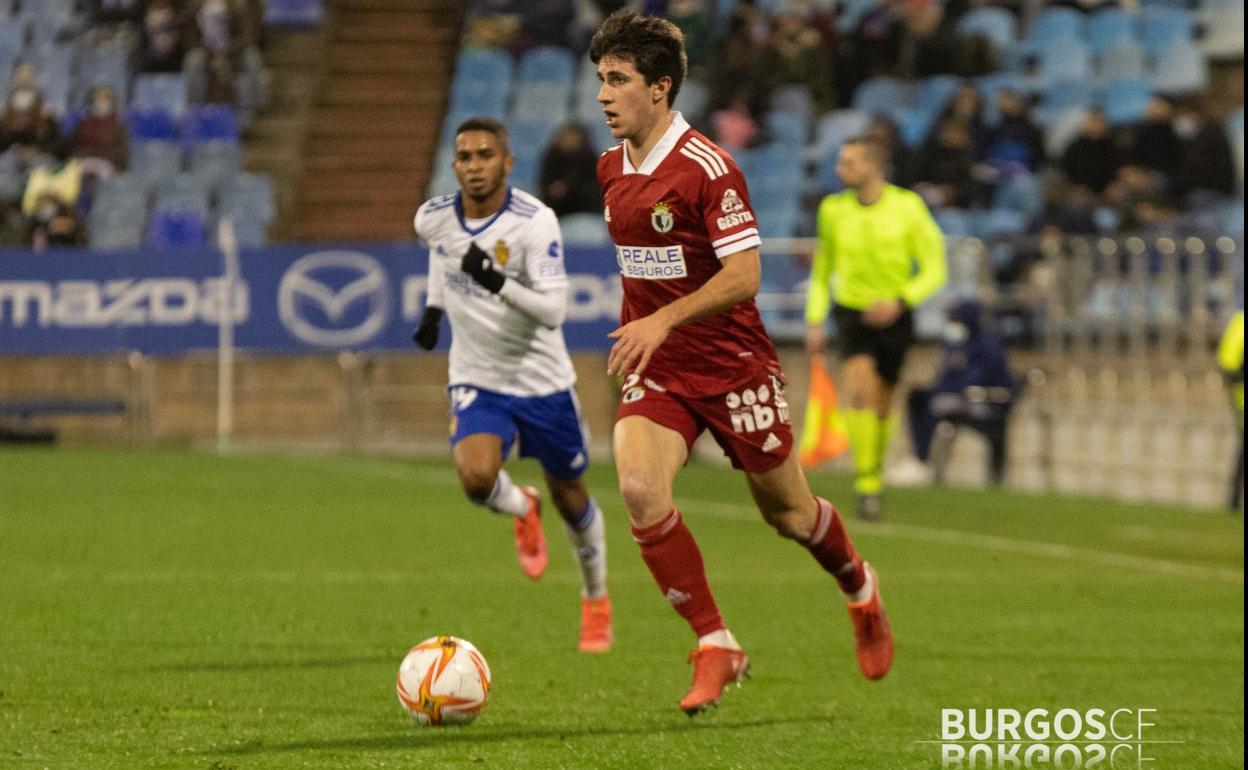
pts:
[496, 271]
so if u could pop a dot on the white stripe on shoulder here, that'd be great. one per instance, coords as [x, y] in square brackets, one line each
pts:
[691, 151]
[701, 145]
[701, 161]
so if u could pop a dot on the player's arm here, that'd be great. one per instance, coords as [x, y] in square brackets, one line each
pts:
[819, 288]
[545, 300]
[426, 334]
[547, 306]
[928, 247]
[737, 280]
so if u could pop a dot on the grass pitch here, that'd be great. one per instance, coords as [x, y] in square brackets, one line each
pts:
[178, 610]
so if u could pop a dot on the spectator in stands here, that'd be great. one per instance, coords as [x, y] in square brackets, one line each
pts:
[698, 26]
[1068, 209]
[795, 55]
[901, 169]
[547, 22]
[569, 177]
[734, 127]
[61, 179]
[162, 39]
[493, 24]
[219, 80]
[1205, 172]
[739, 60]
[101, 139]
[1154, 144]
[1016, 140]
[876, 41]
[116, 11]
[943, 174]
[966, 108]
[1093, 159]
[12, 224]
[26, 123]
[973, 387]
[53, 223]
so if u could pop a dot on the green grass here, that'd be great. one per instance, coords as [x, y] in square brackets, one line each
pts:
[178, 610]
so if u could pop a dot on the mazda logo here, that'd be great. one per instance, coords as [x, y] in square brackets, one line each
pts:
[349, 289]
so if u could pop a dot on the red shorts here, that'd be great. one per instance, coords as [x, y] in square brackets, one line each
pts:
[750, 423]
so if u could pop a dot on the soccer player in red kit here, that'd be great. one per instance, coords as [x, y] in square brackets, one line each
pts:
[693, 352]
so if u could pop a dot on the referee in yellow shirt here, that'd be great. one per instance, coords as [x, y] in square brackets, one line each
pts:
[880, 254]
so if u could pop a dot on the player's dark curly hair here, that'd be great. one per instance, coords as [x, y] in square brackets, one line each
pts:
[654, 45]
[490, 125]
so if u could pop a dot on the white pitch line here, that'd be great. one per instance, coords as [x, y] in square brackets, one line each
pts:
[737, 512]
[998, 543]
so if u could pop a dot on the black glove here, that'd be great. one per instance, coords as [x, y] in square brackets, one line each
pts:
[426, 335]
[479, 265]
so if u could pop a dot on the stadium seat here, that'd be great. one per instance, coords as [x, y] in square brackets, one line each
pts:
[541, 101]
[216, 161]
[1128, 60]
[1108, 28]
[211, 122]
[793, 98]
[53, 70]
[998, 25]
[1224, 33]
[163, 92]
[1063, 95]
[183, 191]
[249, 192]
[525, 174]
[882, 95]
[851, 12]
[584, 230]
[176, 229]
[1181, 69]
[789, 128]
[953, 222]
[692, 99]
[546, 64]
[1000, 222]
[1235, 132]
[152, 124]
[1054, 24]
[1160, 27]
[152, 161]
[1126, 100]
[104, 64]
[1018, 191]
[116, 220]
[836, 127]
[1063, 130]
[478, 97]
[295, 14]
[991, 86]
[935, 92]
[1063, 60]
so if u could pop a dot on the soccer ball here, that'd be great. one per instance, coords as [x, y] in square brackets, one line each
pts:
[444, 680]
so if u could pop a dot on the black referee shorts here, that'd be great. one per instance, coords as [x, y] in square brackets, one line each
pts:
[887, 346]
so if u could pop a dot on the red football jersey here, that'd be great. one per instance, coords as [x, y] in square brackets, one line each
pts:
[672, 220]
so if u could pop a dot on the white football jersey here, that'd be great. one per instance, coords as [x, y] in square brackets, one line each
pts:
[494, 345]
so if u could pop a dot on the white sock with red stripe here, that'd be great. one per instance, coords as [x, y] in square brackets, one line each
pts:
[507, 497]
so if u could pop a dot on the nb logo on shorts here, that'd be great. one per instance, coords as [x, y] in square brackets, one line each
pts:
[752, 409]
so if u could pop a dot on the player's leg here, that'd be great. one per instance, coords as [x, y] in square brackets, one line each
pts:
[482, 432]
[648, 456]
[552, 431]
[863, 388]
[890, 347]
[785, 500]
[583, 522]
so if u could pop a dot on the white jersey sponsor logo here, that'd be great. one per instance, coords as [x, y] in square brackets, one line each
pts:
[652, 263]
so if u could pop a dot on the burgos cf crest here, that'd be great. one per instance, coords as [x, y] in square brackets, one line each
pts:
[501, 254]
[661, 217]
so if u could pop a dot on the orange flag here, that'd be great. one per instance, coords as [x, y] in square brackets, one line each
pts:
[823, 431]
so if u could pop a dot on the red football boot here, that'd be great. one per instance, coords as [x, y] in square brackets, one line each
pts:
[530, 541]
[873, 636]
[713, 669]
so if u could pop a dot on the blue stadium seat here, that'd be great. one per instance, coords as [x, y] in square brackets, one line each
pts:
[541, 101]
[1063, 60]
[584, 230]
[1124, 61]
[953, 222]
[183, 191]
[600, 133]
[216, 161]
[117, 218]
[525, 174]
[547, 64]
[478, 97]
[531, 136]
[176, 229]
[882, 95]
[692, 99]
[295, 14]
[794, 98]
[1181, 69]
[1063, 95]
[991, 86]
[489, 65]
[251, 193]
[996, 24]
[789, 128]
[1108, 28]
[1224, 32]
[151, 124]
[104, 64]
[935, 92]
[1018, 191]
[1062, 130]
[834, 128]
[211, 122]
[1000, 222]
[1126, 100]
[1054, 24]
[162, 91]
[1160, 27]
[154, 160]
